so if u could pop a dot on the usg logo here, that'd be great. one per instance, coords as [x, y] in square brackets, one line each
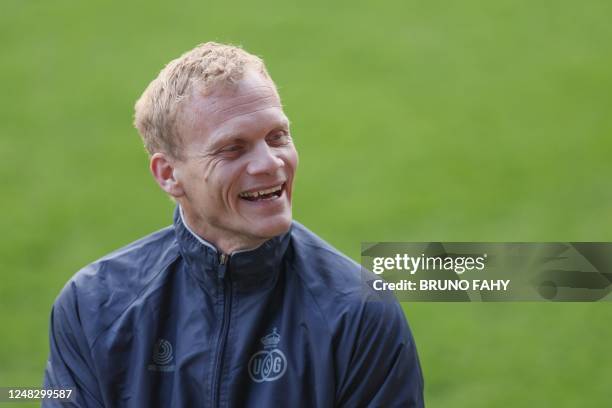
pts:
[162, 356]
[269, 364]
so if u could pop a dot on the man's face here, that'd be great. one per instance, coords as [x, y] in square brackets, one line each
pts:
[238, 163]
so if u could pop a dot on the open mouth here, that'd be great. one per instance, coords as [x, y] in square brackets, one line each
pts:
[271, 193]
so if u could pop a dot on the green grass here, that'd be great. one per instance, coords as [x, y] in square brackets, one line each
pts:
[415, 121]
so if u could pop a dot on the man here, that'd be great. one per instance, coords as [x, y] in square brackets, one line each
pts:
[235, 304]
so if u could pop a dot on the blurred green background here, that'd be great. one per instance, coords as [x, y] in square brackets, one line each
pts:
[415, 121]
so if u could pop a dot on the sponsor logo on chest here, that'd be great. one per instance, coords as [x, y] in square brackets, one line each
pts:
[163, 357]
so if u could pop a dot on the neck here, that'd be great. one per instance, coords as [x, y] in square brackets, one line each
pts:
[223, 242]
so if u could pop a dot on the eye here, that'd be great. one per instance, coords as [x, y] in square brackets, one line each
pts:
[231, 150]
[279, 139]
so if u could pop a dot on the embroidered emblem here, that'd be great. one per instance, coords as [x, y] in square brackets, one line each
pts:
[162, 356]
[269, 364]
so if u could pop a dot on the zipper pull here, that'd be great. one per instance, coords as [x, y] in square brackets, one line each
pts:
[222, 266]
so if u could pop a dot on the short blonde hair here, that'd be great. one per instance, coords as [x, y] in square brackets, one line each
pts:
[206, 66]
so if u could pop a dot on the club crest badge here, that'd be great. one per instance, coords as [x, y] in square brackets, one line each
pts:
[270, 363]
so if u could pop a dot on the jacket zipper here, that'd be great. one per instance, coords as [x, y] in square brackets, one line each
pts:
[227, 299]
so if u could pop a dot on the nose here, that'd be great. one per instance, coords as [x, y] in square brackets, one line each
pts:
[264, 160]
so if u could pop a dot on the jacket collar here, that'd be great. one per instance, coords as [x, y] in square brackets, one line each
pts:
[249, 268]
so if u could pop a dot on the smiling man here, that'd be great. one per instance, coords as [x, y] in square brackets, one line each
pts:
[235, 304]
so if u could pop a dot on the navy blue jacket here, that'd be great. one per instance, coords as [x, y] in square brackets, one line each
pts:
[167, 321]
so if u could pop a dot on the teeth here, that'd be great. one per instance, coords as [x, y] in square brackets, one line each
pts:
[256, 194]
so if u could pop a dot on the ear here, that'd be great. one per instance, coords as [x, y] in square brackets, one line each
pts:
[163, 169]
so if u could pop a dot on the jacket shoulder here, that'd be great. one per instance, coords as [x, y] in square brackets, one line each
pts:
[339, 286]
[368, 326]
[101, 291]
[329, 273]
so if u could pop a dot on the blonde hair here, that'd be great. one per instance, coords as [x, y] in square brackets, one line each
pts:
[205, 67]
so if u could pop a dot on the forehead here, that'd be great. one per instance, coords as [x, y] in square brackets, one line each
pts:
[250, 105]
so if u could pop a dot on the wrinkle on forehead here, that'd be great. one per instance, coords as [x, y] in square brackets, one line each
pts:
[248, 87]
[222, 107]
[249, 112]
[251, 86]
[244, 103]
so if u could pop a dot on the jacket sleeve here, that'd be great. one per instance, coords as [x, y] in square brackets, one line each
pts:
[381, 366]
[70, 364]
